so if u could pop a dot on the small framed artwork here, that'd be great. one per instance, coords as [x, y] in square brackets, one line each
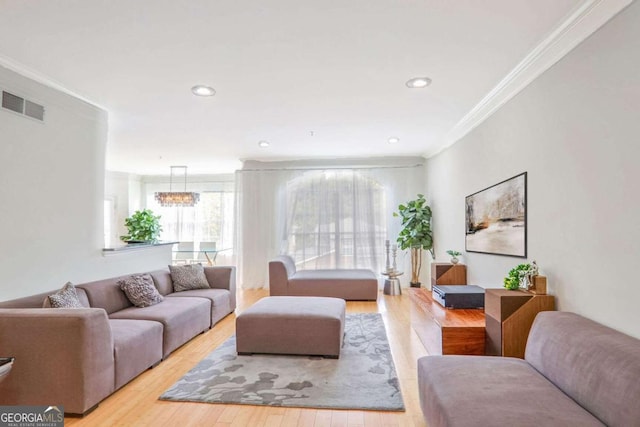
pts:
[496, 218]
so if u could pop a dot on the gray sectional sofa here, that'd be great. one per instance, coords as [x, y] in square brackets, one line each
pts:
[348, 284]
[576, 372]
[78, 356]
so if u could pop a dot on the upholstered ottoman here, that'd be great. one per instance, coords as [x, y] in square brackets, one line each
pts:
[292, 325]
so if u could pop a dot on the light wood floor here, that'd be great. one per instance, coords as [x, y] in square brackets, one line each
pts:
[137, 404]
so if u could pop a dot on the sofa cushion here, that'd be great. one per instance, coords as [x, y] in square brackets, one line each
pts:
[181, 318]
[596, 366]
[347, 284]
[163, 282]
[344, 275]
[469, 391]
[64, 298]
[140, 290]
[137, 345]
[220, 301]
[188, 277]
[106, 294]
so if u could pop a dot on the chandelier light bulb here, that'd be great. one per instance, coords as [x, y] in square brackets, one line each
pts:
[177, 198]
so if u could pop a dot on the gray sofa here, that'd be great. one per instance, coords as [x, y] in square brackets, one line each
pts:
[576, 372]
[77, 357]
[348, 284]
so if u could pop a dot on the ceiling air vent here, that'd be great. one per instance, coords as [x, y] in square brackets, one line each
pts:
[34, 110]
[22, 106]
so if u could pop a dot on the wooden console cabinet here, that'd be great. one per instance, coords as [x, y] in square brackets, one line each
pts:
[509, 316]
[446, 331]
[444, 273]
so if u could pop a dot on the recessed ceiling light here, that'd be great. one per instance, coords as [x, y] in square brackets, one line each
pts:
[201, 90]
[263, 144]
[393, 140]
[418, 82]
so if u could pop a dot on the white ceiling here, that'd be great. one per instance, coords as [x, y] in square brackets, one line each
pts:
[281, 69]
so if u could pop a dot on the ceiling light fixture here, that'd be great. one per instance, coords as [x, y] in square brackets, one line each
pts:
[393, 140]
[202, 90]
[418, 82]
[263, 144]
[177, 198]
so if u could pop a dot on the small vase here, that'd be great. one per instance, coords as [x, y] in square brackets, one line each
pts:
[454, 260]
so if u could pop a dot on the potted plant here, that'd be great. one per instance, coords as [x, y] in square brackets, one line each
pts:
[143, 227]
[416, 233]
[518, 275]
[454, 256]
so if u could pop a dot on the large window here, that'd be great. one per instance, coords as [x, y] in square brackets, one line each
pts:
[210, 220]
[335, 219]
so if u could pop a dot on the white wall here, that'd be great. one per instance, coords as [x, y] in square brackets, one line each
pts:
[575, 131]
[124, 189]
[51, 195]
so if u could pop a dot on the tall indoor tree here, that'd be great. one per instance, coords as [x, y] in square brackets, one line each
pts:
[416, 233]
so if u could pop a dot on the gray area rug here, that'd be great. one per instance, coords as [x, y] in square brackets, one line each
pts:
[364, 377]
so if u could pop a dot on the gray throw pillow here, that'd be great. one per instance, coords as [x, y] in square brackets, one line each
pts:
[67, 297]
[140, 290]
[188, 277]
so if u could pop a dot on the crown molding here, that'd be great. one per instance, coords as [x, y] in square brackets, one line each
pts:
[32, 74]
[583, 21]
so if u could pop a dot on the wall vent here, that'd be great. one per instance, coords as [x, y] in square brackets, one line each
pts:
[22, 106]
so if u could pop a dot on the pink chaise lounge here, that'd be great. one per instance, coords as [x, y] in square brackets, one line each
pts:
[348, 284]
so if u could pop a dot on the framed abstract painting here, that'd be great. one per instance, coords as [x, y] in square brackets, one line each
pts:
[496, 218]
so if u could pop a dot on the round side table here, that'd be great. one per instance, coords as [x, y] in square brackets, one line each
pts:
[392, 283]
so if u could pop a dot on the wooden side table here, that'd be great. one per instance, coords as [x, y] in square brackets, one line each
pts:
[446, 331]
[509, 316]
[444, 273]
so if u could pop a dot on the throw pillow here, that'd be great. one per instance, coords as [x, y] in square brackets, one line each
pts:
[140, 290]
[188, 277]
[67, 297]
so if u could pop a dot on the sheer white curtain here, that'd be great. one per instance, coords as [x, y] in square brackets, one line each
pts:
[335, 219]
[325, 217]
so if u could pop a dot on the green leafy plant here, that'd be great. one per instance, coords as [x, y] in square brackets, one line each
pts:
[143, 226]
[416, 233]
[512, 281]
[454, 253]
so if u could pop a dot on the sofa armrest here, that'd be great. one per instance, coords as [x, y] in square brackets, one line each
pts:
[278, 278]
[223, 277]
[63, 357]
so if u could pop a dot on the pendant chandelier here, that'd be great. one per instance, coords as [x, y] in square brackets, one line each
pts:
[177, 198]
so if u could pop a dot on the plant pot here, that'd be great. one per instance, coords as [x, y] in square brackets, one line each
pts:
[415, 285]
[454, 260]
